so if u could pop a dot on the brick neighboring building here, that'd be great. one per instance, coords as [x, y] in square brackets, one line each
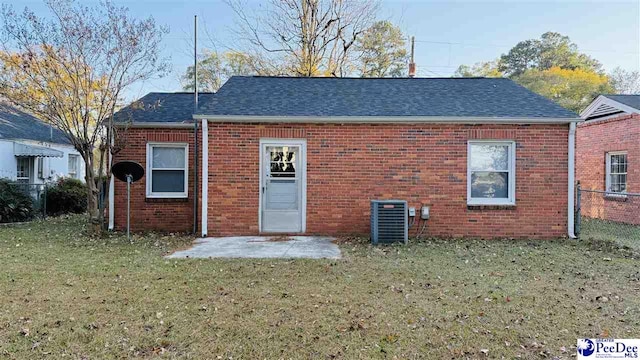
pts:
[294, 155]
[608, 158]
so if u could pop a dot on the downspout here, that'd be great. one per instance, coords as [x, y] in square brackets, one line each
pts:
[195, 177]
[571, 183]
[205, 177]
[111, 188]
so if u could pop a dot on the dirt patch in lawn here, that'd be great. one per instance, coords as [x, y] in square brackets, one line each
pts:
[279, 238]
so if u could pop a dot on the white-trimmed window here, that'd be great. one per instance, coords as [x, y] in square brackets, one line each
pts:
[617, 172]
[74, 161]
[23, 170]
[491, 177]
[167, 172]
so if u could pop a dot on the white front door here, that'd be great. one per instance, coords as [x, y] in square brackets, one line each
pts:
[282, 186]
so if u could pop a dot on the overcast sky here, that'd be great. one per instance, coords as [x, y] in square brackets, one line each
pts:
[447, 33]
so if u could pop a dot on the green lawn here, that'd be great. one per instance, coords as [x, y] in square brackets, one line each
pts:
[62, 293]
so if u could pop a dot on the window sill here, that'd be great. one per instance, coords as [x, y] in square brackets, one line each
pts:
[491, 206]
[490, 202]
[166, 199]
[616, 197]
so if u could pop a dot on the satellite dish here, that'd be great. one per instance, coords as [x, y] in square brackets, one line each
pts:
[123, 169]
[128, 171]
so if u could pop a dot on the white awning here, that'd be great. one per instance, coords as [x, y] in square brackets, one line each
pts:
[32, 150]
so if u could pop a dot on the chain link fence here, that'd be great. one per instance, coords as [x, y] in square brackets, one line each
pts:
[608, 216]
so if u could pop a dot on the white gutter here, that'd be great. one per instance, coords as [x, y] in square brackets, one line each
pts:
[571, 184]
[204, 196]
[383, 119]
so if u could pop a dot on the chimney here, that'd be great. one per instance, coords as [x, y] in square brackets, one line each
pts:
[412, 64]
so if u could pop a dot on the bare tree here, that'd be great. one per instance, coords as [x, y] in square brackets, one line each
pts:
[306, 37]
[71, 69]
[625, 81]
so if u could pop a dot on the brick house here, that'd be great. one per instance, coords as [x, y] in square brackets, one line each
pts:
[306, 155]
[608, 157]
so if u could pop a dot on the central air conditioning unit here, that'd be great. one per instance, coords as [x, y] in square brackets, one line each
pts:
[389, 221]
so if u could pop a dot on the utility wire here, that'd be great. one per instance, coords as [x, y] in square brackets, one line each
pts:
[512, 45]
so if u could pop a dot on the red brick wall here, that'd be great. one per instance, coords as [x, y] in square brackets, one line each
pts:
[167, 215]
[593, 140]
[348, 165]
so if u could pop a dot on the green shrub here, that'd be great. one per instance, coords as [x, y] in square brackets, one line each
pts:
[15, 204]
[67, 196]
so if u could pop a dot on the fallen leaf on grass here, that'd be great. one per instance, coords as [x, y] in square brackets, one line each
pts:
[391, 338]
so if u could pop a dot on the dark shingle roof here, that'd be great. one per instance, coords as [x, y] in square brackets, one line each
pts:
[17, 124]
[161, 107]
[629, 100]
[457, 97]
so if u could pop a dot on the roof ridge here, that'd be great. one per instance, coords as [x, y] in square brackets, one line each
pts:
[370, 78]
[177, 93]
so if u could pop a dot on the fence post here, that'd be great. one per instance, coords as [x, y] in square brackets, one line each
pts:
[578, 208]
[44, 202]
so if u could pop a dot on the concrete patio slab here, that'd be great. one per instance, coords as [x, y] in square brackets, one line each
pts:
[270, 247]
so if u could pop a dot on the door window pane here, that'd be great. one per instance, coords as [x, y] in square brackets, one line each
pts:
[282, 161]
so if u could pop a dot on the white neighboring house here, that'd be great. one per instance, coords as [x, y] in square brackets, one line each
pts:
[34, 152]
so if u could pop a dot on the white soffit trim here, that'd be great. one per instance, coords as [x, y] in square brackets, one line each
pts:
[383, 119]
[603, 100]
[169, 125]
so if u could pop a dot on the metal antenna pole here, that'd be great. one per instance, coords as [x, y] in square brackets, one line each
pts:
[195, 63]
[195, 124]
[129, 178]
